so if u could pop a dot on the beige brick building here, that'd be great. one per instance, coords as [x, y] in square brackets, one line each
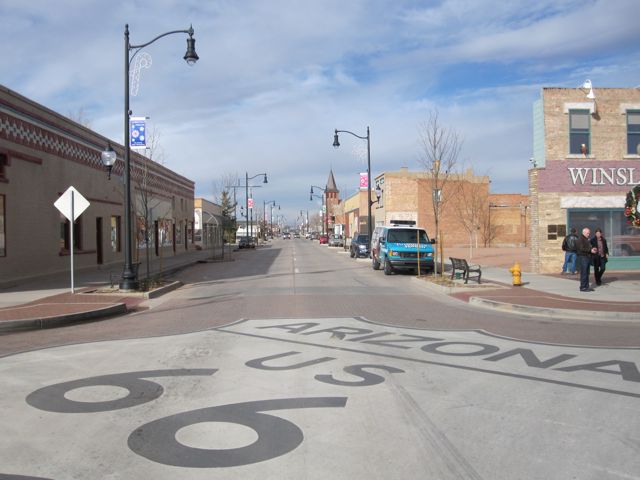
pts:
[42, 153]
[469, 214]
[585, 161]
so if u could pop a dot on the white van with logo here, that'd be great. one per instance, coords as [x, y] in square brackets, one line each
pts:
[401, 246]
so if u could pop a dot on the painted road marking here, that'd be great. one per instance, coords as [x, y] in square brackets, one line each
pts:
[277, 398]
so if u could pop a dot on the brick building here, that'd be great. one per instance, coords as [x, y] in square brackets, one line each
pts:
[42, 153]
[468, 214]
[409, 195]
[585, 144]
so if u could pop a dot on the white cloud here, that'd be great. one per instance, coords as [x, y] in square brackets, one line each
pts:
[275, 78]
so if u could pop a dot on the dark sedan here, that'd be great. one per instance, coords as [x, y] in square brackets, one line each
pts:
[359, 246]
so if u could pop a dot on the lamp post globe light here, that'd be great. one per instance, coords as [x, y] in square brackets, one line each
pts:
[246, 186]
[336, 144]
[129, 279]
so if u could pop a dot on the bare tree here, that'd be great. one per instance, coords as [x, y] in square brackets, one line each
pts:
[222, 184]
[80, 117]
[147, 202]
[488, 230]
[439, 150]
[472, 206]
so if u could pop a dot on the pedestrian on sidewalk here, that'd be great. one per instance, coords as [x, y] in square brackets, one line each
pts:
[585, 251]
[600, 256]
[569, 249]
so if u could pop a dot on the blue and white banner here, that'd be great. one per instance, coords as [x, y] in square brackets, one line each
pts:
[138, 132]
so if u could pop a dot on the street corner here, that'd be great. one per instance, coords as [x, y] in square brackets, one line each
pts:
[275, 398]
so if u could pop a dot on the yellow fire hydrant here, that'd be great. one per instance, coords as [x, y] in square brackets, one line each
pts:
[516, 272]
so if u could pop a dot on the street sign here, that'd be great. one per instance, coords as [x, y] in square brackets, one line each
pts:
[71, 204]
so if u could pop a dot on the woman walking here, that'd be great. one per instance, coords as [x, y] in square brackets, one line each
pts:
[601, 256]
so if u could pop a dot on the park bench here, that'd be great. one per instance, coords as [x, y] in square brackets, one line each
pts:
[461, 265]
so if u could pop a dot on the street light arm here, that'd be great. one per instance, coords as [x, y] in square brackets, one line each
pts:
[351, 133]
[191, 55]
[134, 47]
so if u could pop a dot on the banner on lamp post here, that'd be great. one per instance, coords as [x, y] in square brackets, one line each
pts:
[364, 181]
[138, 133]
[250, 203]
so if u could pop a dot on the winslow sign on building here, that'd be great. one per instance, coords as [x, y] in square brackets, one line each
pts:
[610, 176]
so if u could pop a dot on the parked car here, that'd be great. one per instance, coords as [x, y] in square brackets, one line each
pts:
[627, 244]
[400, 247]
[246, 242]
[323, 239]
[359, 246]
[335, 240]
[296, 235]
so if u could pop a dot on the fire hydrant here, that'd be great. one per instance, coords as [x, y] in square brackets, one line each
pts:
[517, 275]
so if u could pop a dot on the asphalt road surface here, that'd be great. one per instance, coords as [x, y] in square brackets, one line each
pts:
[294, 361]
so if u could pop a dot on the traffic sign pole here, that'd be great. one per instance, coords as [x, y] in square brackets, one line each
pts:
[71, 204]
[71, 239]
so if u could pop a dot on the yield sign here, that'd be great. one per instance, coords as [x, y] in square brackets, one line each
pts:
[71, 204]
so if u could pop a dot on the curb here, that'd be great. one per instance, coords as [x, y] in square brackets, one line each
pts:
[553, 312]
[50, 322]
[162, 290]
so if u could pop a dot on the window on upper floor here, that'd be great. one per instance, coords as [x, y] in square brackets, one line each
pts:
[633, 132]
[579, 132]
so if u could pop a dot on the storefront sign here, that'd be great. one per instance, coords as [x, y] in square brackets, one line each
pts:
[585, 175]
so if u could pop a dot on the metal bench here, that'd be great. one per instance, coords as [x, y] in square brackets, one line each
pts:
[461, 265]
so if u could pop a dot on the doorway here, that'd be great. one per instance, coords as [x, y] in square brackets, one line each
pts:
[99, 258]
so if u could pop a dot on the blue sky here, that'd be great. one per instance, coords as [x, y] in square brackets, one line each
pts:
[275, 78]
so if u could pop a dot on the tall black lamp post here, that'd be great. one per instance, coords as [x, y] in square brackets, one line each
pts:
[246, 186]
[129, 279]
[271, 203]
[336, 144]
[324, 204]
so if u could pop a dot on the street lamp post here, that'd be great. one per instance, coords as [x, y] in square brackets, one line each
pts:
[129, 275]
[246, 186]
[272, 204]
[336, 144]
[324, 204]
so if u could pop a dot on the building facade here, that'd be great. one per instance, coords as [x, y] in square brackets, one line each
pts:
[586, 159]
[463, 203]
[208, 224]
[42, 154]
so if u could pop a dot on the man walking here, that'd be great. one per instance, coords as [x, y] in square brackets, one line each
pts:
[569, 248]
[584, 251]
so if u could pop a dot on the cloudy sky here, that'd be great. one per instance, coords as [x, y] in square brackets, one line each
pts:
[276, 77]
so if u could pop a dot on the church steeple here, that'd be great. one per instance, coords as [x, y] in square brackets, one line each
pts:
[331, 183]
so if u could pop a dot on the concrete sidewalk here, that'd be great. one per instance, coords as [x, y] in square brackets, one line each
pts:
[47, 301]
[549, 295]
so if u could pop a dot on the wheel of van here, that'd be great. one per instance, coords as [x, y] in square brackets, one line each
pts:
[388, 269]
[375, 263]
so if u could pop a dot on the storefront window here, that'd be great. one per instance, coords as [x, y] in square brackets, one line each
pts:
[623, 239]
[579, 125]
[3, 248]
[115, 234]
[633, 132]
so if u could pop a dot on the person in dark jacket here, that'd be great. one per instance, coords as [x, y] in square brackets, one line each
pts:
[584, 251]
[600, 256]
[569, 248]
